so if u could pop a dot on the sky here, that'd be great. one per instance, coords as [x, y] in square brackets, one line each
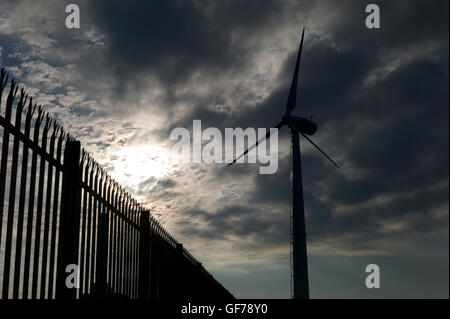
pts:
[136, 70]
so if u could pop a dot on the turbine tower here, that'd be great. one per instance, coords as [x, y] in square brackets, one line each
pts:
[299, 126]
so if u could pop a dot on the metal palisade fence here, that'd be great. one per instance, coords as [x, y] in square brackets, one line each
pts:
[59, 210]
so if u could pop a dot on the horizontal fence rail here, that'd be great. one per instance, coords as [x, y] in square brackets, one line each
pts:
[62, 214]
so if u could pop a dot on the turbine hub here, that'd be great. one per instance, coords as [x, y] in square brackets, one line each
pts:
[301, 124]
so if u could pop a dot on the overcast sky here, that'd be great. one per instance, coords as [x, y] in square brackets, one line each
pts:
[137, 69]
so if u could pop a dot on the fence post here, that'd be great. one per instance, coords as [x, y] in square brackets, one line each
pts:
[144, 256]
[69, 222]
[102, 253]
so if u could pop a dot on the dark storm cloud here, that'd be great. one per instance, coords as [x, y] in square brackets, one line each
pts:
[172, 40]
[398, 155]
[414, 212]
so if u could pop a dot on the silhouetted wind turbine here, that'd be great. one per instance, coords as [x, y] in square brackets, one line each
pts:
[303, 126]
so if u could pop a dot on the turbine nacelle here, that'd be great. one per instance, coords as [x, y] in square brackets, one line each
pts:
[301, 124]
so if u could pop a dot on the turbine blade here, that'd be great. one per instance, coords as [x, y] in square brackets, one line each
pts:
[320, 150]
[291, 102]
[259, 141]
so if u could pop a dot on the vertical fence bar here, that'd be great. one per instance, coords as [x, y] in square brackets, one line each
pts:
[89, 233]
[116, 239]
[105, 236]
[30, 217]
[55, 217]
[127, 246]
[113, 240]
[144, 256]
[133, 256]
[94, 234]
[121, 241]
[86, 162]
[69, 219]
[99, 243]
[115, 236]
[110, 236]
[102, 235]
[133, 247]
[137, 249]
[12, 198]
[133, 253]
[47, 216]
[124, 245]
[5, 146]
[37, 237]
[20, 217]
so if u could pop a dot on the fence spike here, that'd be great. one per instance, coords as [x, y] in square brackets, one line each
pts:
[40, 114]
[30, 108]
[3, 83]
[47, 120]
[62, 134]
[14, 88]
[2, 78]
[22, 101]
[54, 130]
[33, 111]
[83, 157]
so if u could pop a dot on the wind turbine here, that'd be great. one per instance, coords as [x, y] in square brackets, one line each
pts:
[299, 126]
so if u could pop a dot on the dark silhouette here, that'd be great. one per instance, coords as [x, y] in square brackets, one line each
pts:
[303, 126]
[88, 220]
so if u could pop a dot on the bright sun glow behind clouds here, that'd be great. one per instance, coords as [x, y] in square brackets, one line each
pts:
[136, 164]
